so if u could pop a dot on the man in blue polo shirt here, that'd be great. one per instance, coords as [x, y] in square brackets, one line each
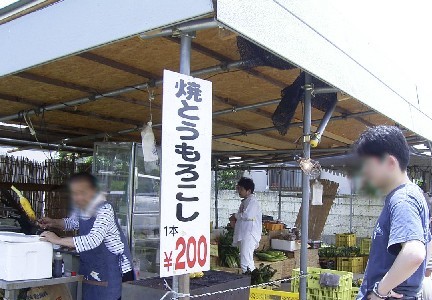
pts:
[396, 264]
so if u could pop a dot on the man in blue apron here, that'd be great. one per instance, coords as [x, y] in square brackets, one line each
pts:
[105, 258]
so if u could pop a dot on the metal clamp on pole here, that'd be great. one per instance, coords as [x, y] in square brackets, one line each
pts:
[190, 26]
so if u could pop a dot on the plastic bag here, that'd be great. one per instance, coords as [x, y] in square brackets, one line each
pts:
[317, 193]
[151, 158]
[149, 143]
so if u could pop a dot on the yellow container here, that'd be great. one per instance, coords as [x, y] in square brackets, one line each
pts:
[346, 240]
[273, 226]
[317, 292]
[365, 246]
[350, 264]
[354, 293]
[214, 250]
[267, 294]
[365, 261]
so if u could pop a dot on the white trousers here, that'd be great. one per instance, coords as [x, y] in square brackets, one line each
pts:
[247, 247]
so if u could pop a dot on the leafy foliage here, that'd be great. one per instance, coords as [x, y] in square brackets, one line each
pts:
[262, 274]
[227, 179]
[229, 255]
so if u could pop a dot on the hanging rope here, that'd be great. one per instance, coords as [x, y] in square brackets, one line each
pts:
[151, 96]
[175, 295]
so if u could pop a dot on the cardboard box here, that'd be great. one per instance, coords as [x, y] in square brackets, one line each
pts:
[273, 234]
[264, 243]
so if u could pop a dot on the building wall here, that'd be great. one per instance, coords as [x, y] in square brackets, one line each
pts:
[365, 212]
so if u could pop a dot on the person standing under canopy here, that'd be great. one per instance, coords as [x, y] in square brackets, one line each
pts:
[397, 258]
[105, 258]
[248, 224]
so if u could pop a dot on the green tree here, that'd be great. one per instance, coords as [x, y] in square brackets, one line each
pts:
[227, 179]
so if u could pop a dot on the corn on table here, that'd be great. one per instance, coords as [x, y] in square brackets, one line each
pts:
[11, 288]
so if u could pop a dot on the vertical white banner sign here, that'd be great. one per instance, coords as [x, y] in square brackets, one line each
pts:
[186, 174]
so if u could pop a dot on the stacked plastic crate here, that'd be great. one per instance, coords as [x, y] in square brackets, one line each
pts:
[316, 291]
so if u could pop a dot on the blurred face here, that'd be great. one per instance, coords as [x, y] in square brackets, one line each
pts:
[379, 171]
[243, 193]
[82, 193]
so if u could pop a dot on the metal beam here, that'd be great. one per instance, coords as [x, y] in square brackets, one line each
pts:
[244, 129]
[298, 124]
[114, 93]
[191, 26]
[222, 58]
[351, 65]
[221, 112]
[243, 144]
[102, 21]
[217, 113]
[16, 99]
[116, 65]
[278, 151]
[102, 117]
[9, 141]
[213, 54]
[56, 82]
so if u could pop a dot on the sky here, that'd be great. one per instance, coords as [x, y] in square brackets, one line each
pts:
[36, 155]
[4, 3]
[401, 30]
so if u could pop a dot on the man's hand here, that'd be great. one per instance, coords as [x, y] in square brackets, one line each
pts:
[51, 237]
[48, 223]
[372, 296]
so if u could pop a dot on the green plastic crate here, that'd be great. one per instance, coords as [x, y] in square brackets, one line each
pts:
[354, 293]
[316, 292]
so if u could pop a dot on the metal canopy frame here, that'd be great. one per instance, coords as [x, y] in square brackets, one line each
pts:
[181, 284]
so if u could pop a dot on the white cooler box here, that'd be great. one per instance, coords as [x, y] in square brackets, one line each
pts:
[285, 245]
[24, 257]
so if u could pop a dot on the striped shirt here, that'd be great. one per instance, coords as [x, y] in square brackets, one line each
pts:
[104, 230]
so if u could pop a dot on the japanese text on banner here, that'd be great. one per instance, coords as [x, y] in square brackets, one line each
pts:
[186, 174]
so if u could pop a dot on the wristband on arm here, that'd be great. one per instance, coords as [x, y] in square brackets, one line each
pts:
[376, 293]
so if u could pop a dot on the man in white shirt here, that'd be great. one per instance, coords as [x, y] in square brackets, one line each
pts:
[248, 224]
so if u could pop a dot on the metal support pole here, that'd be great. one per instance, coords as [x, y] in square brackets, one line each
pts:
[183, 281]
[351, 213]
[11, 295]
[307, 112]
[280, 196]
[216, 187]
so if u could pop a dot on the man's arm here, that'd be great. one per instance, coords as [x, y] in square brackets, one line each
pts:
[411, 256]
[407, 241]
[429, 260]
[48, 223]
[104, 221]
[250, 213]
